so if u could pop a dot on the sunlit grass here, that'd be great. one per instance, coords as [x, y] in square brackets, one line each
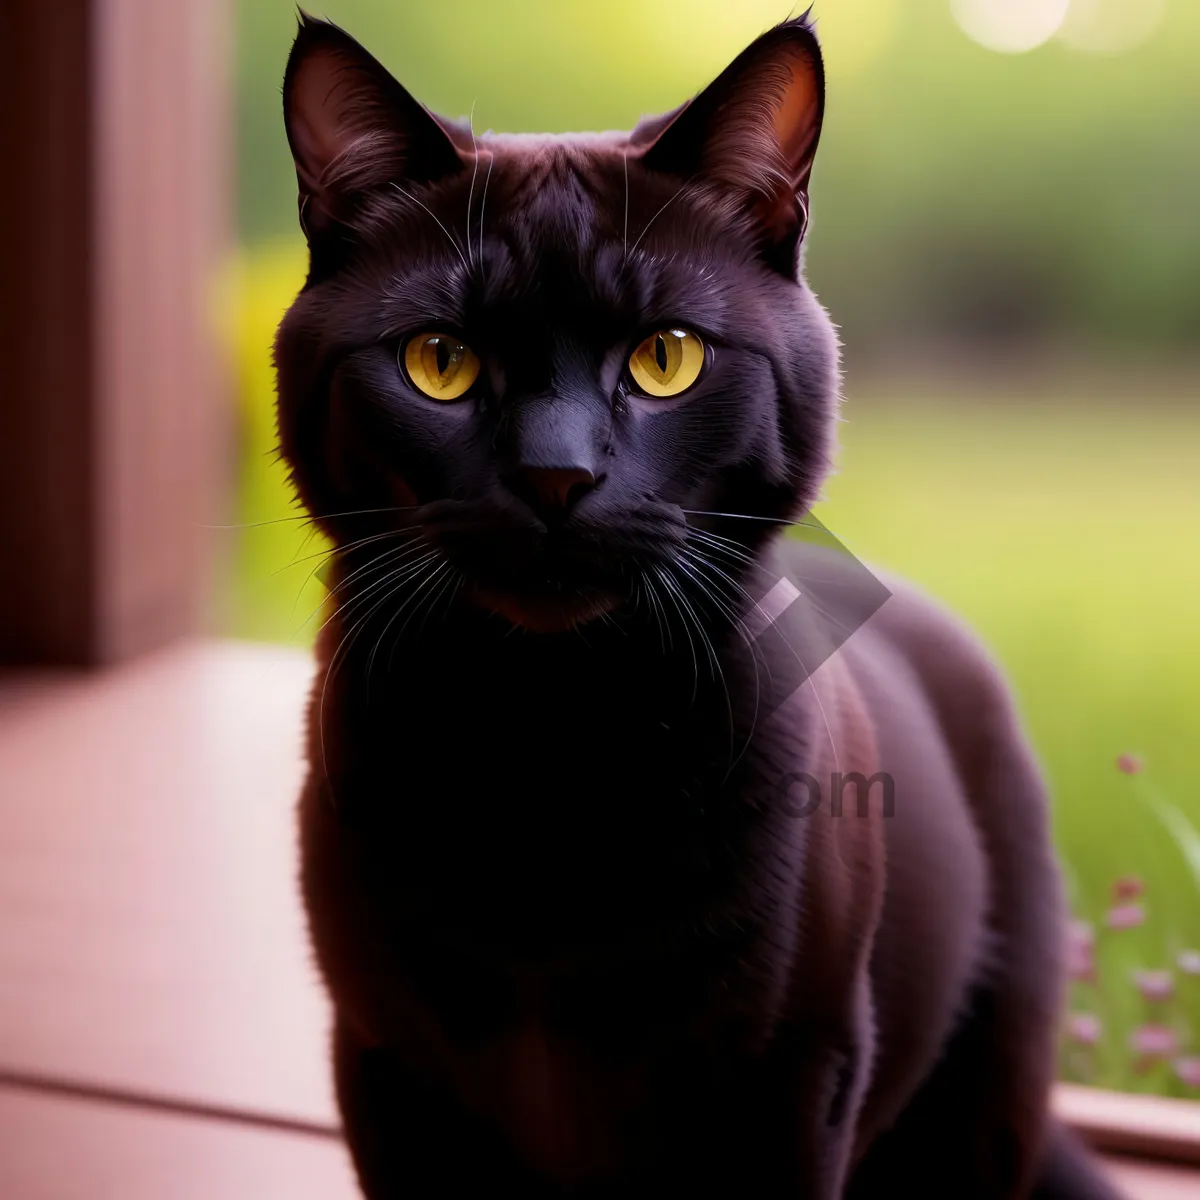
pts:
[1063, 529]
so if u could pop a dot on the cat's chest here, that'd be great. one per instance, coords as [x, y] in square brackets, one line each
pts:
[512, 813]
[533, 840]
[567, 1065]
[562, 1106]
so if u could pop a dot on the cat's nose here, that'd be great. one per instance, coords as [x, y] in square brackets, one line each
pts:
[553, 489]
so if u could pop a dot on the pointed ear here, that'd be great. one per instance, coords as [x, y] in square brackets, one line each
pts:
[753, 134]
[352, 128]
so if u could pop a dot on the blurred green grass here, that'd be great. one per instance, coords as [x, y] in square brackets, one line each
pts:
[1059, 519]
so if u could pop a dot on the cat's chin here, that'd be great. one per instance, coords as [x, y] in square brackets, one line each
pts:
[544, 614]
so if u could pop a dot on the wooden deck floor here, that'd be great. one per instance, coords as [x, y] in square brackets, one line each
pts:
[161, 1029]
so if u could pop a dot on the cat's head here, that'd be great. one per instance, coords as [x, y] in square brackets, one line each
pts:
[551, 358]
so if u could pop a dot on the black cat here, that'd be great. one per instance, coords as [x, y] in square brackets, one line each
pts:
[555, 401]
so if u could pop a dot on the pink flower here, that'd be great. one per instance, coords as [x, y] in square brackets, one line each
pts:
[1189, 962]
[1130, 764]
[1154, 1041]
[1084, 1028]
[1126, 916]
[1128, 887]
[1188, 1070]
[1155, 986]
[1081, 941]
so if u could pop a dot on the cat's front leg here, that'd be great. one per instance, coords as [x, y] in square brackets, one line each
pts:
[821, 1080]
[785, 1124]
[408, 1140]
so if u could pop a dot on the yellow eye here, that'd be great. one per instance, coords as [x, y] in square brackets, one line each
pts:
[440, 365]
[667, 362]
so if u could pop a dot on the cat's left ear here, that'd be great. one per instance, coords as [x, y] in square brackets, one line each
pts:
[352, 128]
[752, 133]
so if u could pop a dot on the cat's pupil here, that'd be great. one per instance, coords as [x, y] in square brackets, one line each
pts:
[444, 356]
[660, 353]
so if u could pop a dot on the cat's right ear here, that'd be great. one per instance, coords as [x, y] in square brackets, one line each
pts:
[752, 134]
[352, 128]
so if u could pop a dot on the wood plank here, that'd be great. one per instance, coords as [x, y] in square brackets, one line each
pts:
[1148, 1126]
[150, 932]
[1153, 1181]
[62, 1149]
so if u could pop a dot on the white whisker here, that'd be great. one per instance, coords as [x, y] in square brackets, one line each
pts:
[686, 184]
[415, 200]
[483, 203]
[474, 172]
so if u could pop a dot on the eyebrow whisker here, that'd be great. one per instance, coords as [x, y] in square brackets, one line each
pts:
[474, 172]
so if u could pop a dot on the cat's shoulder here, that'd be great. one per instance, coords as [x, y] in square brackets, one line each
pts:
[936, 640]
[889, 618]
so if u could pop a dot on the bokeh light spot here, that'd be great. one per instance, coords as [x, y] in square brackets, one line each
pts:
[1010, 26]
[1111, 26]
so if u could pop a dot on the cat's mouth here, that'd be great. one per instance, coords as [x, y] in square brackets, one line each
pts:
[543, 590]
[549, 592]
[547, 580]
[545, 612]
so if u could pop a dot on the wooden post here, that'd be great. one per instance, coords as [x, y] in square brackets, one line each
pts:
[114, 206]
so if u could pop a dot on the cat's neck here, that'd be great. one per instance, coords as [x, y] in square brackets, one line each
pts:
[687, 696]
[685, 654]
[617, 768]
